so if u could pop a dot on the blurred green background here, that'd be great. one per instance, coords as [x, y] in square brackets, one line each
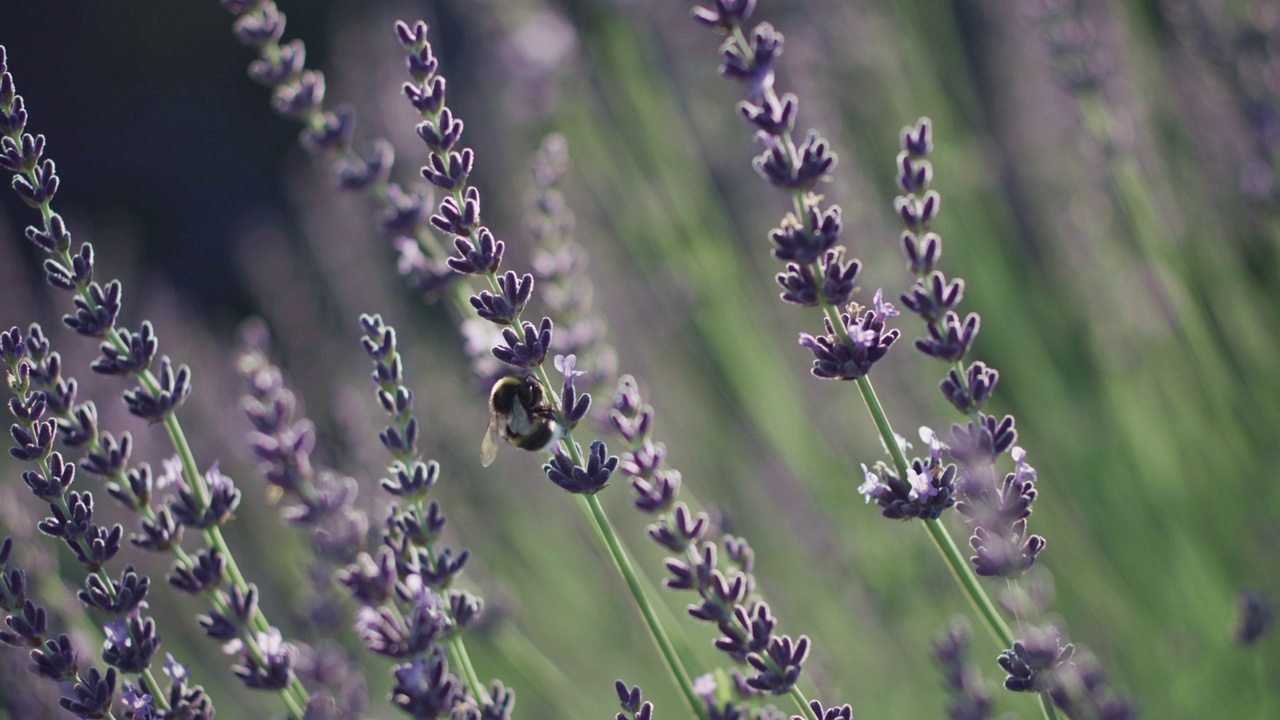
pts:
[1119, 238]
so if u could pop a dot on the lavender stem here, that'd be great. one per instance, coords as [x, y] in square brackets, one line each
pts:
[591, 506]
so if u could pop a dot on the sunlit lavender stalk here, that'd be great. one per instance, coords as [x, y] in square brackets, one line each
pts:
[412, 548]
[131, 639]
[817, 274]
[995, 509]
[524, 346]
[159, 394]
[721, 574]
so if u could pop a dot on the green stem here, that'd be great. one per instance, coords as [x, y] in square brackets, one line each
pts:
[968, 582]
[1046, 706]
[462, 660]
[590, 505]
[803, 703]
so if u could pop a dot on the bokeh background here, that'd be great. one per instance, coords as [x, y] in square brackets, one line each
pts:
[1108, 174]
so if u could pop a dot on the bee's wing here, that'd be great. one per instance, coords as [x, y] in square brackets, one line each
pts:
[489, 446]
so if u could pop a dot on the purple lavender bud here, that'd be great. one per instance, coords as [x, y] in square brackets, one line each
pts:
[373, 167]
[573, 406]
[724, 16]
[949, 340]
[805, 243]
[427, 98]
[778, 668]
[29, 446]
[420, 59]
[97, 319]
[93, 695]
[370, 580]
[579, 480]
[135, 492]
[981, 381]
[444, 568]
[838, 358]
[1033, 662]
[657, 494]
[403, 211]
[131, 645]
[458, 220]
[841, 712]
[450, 172]
[984, 441]
[933, 296]
[917, 140]
[645, 459]
[205, 573]
[464, 608]
[161, 535]
[914, 174]
[626, 398]
[42, 186]
[918, 213]
[771, 115]
[31, 410]
[56, 659]
[174, 390]
[504, 308]
[69, 279]
[120, 598]
[411, 482]
[13, 120]
[928, 490]
[275, 670]
[240, 609]
[424, 687]
[628, 697]
[21, 157]
[813, 163]
[477, 258]
[441, 134]
[283, 65]
[502, 703]
[754, 67]
[399, 442]
[223, 499]
[137, 704]
[1257, 613]
[258, 29]
[527, 351]
[27, 629]
[12, 346]
[414, 36]
[55, 239]
[331, 131]
[1005, 556]
[111, 457]
[386, 634]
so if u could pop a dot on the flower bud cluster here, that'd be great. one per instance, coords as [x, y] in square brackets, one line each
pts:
[298, 93]
[203, 502]
[410, 610]
[995, 510]
[131, 638]
[817, 272]
[719, 572]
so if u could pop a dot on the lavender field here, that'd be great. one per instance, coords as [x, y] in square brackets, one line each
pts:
[863, 359]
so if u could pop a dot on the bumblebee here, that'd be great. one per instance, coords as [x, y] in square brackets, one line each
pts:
[521, 415]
